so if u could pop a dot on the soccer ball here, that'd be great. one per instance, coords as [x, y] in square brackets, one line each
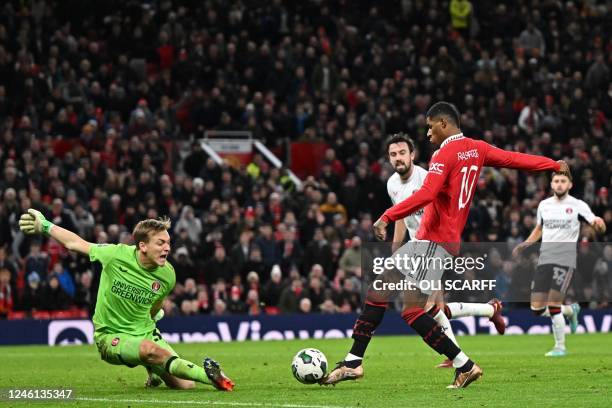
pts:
[309, 366]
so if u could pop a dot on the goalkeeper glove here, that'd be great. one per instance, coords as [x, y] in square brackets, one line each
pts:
[33, 222]
[159, 315]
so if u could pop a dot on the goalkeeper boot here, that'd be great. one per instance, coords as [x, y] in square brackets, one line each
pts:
[216, 376]
[497, 318]
[573, 319]
[342, 372]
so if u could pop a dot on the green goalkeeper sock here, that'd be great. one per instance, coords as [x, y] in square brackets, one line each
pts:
[186, 370]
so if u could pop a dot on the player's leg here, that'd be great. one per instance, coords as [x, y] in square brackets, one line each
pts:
[466, 371]
[158, 373]
[157, 353]
[540, 289]
[561, 278]
[555, 301]
[435, 308]
[492, 310]
[375, 305]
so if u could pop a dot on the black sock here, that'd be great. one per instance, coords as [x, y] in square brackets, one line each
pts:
[364, 328]
[353, 363]
[466, 367]
[431, 332]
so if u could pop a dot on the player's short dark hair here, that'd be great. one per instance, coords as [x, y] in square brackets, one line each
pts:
[446, 110]
[144, 229]
[400, 138]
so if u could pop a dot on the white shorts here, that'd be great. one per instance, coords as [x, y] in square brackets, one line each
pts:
[422, 262]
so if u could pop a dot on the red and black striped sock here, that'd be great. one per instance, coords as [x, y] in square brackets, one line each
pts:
[430, 331]
[368, 321]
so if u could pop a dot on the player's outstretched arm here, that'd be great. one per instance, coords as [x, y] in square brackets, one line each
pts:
[534, 237]
[34, 222]
[496, 157]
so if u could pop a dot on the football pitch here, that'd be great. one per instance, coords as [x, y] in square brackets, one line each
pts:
[399, 372]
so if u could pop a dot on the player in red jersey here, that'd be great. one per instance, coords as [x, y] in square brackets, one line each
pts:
[446, 195]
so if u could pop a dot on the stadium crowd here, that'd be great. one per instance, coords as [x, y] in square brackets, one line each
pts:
[97, 98]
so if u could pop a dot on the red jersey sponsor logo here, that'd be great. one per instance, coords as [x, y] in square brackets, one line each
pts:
[436, 168]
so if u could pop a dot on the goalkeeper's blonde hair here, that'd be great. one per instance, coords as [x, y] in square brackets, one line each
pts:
[144, 229]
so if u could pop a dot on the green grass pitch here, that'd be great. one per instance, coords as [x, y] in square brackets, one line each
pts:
[399, 372]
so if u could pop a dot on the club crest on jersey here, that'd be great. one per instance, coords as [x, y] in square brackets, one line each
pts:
[569, 210]
[436, 168]
[155, 286]
[115, 341]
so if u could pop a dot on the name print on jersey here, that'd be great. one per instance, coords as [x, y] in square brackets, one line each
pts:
[467, 155]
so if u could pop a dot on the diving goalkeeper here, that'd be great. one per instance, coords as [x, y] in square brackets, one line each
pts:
[134, 282]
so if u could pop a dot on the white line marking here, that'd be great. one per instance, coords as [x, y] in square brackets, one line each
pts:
[195, 402]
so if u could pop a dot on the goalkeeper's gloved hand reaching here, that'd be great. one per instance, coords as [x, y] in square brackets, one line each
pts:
[33, 222]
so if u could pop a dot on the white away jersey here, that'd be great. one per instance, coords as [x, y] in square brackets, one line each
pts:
[560, 221]
[400, 190]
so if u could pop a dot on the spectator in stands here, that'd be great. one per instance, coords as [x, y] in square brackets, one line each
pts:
[316, 292]
[190, 292]
[219, 290]
[305, 306]
[65, 279]
[253, 303]
[190, 223]
[6, 293]
[204, 305]
[6, 263]
[220, 308]
[273, 288]
[188, 307]
[241, 250]
[460, 12]
[351, 258]
[289, 249]
[603, 280]
[347, 298]
[32, 299]
[255, 263]
[530, 117]
[235, 305]
[267, 246]
[532, 41]
[291, 296]
[219, 267]
[84, 297]
[332, 207]
[36, 261]
[183, 265]
[54, 297]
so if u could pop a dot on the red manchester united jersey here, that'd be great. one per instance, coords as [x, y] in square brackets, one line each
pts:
[448, 189]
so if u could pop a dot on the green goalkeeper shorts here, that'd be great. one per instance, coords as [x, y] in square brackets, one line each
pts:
[124, 349]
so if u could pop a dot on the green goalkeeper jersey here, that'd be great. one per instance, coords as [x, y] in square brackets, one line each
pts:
[127, 290]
